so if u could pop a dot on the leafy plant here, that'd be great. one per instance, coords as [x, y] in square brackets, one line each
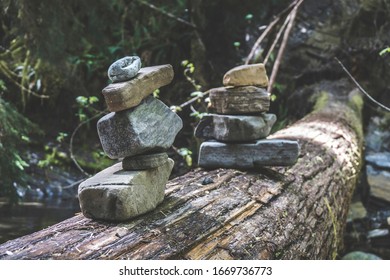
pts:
[186, 154]
[384, 51]
[14, 131]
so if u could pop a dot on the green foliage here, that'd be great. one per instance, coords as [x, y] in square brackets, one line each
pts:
[14, 129]
[384, 51]
[94, 161]
[62, 48]
[53, 155]
[186, 154]
[84, 106]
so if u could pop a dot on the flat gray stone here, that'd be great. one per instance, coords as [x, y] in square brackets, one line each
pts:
[246, 75]
[148, 128]
[142, 162]
[124, 69]
[380, 160]
[239, 100]
[124, 95]
[379, 182]
[274, 152]
[359, 255]
[117, 195]
[235, 128]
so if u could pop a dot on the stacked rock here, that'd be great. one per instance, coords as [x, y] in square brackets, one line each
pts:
[139, 130]
[235, 133]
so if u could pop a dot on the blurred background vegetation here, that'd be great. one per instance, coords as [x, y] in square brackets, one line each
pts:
[54, 56]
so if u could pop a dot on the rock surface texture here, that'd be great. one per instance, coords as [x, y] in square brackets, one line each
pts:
[248, 155]
[142, 162]
[149, 127]
[128, 94]
[235, 128]
[115, 194]
[246, 75]
[239, 100]
[124, 69]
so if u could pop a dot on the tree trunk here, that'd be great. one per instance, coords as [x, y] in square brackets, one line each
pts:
[296, 212]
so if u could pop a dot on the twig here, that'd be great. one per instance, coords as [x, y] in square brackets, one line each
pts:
[73, 184]
[267, 30]
[260, 39]
[281, 30]
[192, 100]
[360, 87]
[283, 45]
[71, 143]
[172, 16]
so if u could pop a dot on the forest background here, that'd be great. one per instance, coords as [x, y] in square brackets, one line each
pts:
[54, 57]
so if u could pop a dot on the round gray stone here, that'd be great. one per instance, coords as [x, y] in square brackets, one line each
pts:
[142, 162]
[124, 69]
[358, 255]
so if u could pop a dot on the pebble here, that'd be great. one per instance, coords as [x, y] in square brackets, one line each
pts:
[124, 69]
[358, 255]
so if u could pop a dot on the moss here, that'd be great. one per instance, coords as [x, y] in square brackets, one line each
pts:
[354, 115]
[321, 100]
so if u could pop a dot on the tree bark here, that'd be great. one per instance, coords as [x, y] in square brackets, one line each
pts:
[296, 212]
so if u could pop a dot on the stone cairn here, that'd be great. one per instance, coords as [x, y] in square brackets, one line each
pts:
[235, 133]
[139, 130]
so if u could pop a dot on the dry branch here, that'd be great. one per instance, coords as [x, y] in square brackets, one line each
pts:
[268, 29]
[283, 45]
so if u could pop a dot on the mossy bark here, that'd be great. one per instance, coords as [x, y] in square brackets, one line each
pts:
[295, 212]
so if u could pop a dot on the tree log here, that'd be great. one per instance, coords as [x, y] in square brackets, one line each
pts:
[296, 212]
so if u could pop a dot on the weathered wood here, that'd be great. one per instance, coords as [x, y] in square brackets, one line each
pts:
[293, 212]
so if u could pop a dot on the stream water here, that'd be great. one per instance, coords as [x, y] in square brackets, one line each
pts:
[49, 197]
[33, 215]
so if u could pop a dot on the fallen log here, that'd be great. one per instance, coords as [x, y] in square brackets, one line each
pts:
[295, 212]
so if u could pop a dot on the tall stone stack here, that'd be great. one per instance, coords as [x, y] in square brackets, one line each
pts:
[138, 131]
[235, 134]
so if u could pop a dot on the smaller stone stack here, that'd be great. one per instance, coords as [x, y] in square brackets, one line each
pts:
[139, 130]
[235, 133]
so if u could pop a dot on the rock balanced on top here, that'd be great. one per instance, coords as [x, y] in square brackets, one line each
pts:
[138, 131]
[236, 129]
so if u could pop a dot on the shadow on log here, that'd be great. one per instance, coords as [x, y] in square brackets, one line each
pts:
[296, 212]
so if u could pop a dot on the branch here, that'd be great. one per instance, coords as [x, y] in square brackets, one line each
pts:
[282, 48]
[71, 143]
[281, 30]
[360, 87]
[192, 100]
[172, 16]
[267, 30]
